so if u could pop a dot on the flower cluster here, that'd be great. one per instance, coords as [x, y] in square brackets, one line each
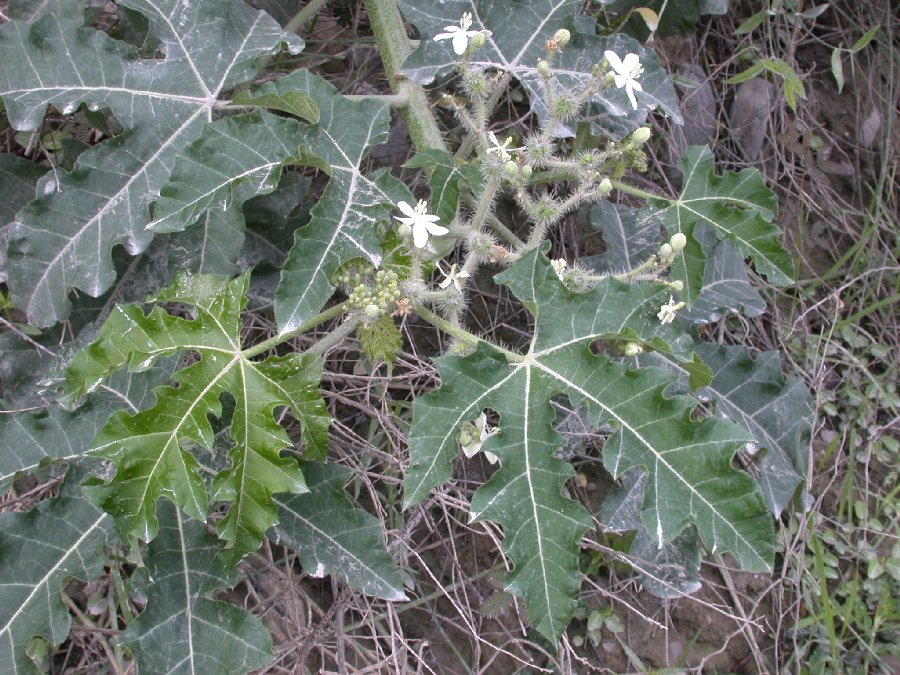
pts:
[375, 299]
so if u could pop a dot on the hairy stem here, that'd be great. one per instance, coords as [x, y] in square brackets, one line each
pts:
[462, 333]
[394, 45]
[320, 318]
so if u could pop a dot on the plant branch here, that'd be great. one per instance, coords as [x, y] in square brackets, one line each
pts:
[462, 333]
[320, 318]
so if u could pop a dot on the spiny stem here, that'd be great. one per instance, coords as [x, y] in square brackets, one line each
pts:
[462, 333]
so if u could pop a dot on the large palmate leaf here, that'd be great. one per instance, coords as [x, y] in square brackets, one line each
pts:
[667, 572]
[182, 630]
[755, 394]
[40, 551]
[515, 47]
[632, 235]
[690, 478]
[735, 206]
[63, 240]
[345, 221]
[332, 536]
[29, 439]
[148, 447]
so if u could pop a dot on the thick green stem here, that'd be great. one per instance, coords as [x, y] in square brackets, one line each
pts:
[320, 318]
[462, 333]
[331, 339]
[304, 16]
[636, 192]
[394, 45]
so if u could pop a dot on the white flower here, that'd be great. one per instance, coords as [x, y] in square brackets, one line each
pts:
[453, 277]
[625, 72]
[667, 311]
[421, 221]
[499, 148]
[460, 34]
[479, 432]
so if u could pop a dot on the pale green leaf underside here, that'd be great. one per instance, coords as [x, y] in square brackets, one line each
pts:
[515, 47]
[18, 178]
[688, 463]
[147, 447]
[63, 240]
[332, 536]
[181, 629]
[40, 550]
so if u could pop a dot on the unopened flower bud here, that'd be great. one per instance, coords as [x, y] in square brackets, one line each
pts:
[678, 241]
[677, 285]
[477, 40]
[526, 171]
[511, 168]
[372, 311]
[562, 37]
[605, 187]
[633, 349]
[404, 230]
[640, 136]
[543, 68]
[665, 251]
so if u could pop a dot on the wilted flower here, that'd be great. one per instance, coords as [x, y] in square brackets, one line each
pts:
[421, 221]
[499, 148]
[473, 436]
[460, 34]
[667, 312]
[453, 277]
[625, 72]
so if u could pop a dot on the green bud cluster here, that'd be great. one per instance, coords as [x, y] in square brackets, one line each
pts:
[378, 297]
[352, 274]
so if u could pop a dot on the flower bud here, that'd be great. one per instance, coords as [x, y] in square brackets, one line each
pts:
[640, 136]
[543, 68]
[511, 168]
[633, 349]
[562, 37]
[404, 230]
[477, 40]
[665, 251]
[605, 187]
[677, 285]
[526, 171]
[678, 241]
[372, 311]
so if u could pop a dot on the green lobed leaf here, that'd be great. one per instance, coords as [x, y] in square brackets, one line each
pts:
[667, 572]
[63, 239]
[344, 223]
[40, 551]
[233, 160]
[515, 47]
[632, 235]
[30, 439]
[147, 447]
[688, 462]
[735, 206]
[726, 286]
[181, 629]
[332, 536]
[18, 179]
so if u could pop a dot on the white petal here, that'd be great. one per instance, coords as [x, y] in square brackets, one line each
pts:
[631, 62]
[434, 229]
[405, 221]
[407, 209]
[636, 85]
[614, 61]
[446, 282]
[420, 235]
[460, 42]
[630, 90]
[621, 80]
